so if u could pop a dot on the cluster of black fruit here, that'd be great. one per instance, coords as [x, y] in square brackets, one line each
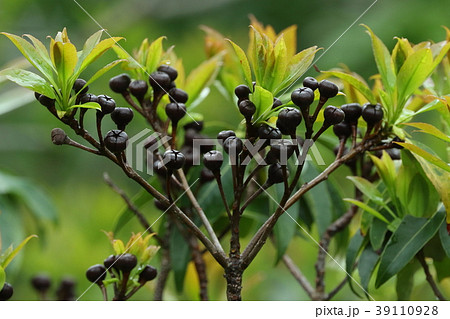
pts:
[64, 292]
[120, 267]
[6, 292]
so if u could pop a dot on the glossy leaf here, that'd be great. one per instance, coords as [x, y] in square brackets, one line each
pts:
[88, 105]
[298, 65]
[98, 51]
[243, 61]
[383, 61]
[29, 80]
[366, 265]
[354, 82]
[413, 73]
[355, 246]
[263, 101]
[412, 234]
[41, 49]
[89, 45]
[405, 280]
[377, 233]
[154, 55]
[367, 208]
[430, 129]
[368, 189]
[429, 157]
[65, 59]
[280, 65]
[8, 258]
[200, 78]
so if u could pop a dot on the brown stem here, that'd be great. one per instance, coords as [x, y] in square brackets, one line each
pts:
[421, 257]
[222, 193]
[200, 267]
[336, 289]
[165, 266]
[298, 275]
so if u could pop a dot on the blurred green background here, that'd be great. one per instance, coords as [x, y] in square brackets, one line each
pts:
[73, 179]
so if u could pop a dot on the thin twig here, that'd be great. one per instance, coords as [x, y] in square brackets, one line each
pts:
[298, 275]
[421, 257]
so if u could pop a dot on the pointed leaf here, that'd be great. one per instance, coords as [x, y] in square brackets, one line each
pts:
[405, 281]
[429, 157]
[32, 55]
[383, 61]
[41, 49]
[243, 61]
[65, 57]
[263, 101]
[367, 208]
[362, 87]
[2, 277]
[88, 105]
[430, 129]
[89, 45]
[368, 189]
[13, 254]
[412, 234]
[377, 233]
[98, 51]
[357, 243]
[154, 55]
[299, 64]
[413, 73]
[366, 265]
[29, 80]
[103, 70]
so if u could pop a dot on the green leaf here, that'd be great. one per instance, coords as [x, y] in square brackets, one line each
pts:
[98, 51]
[41, 49]
[88, 105]
[89, 45]
[65, 57]
[243, 61]
[200, 78]
[32, 55]
[355, 246]
[430, 129]
[386, 169]
[424, 154]
[29, 80]
[2, 277]
[445, 239]
[281, 63]
[412, 234]
[118, 246]
[103, 70]
[405, 281]
[8, 258]
[367, 208]
[263, 101]
[368, 189]
[383, 61]
[154, 55]
[362, 87]
[377, 233]
[366, 265]
[180, 256]
[286, 227]
[413, 73]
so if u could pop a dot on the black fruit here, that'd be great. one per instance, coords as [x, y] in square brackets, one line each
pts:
[96, 274]
[276, 174]
[175, 111]
[311, 83]
[41, 283]
[372, 113]
[138, 88]
[276, 103]
[247, 108]
[213, 160]
[352, 112]
[88, 97]
[122, 116]
[126, 262]
[223, 135]
[159, 168]
[178, 95]
[233, 145]
[288, 120]
[160, 81]
[206, 176]
[107, 103]
[148, 273]
[267, 132]
[109, 261]
[397, 139]
[65, 291]
[328, 89]
[302, 97]
[282, 149]
[120, 83]
[242, 91]
[170, 71]
[6, 292]
[46, 101]
[59, 137]
[116, 141]
[342, 130]
[37, 95]
[173, 160]
[333, 115]
[79, 86]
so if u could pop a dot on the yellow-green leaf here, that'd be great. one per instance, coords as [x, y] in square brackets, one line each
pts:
[430, 129]
[383, 61]
[10, 257]
[103, 70]
[98, 51]
[88, 105]
[89, 45]
[263, 101]
[280, 66]
[29, 80]
[243, 61]
[429, 157]
[367, 208]
[154, 55]
[118, 246]
[65, 58]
